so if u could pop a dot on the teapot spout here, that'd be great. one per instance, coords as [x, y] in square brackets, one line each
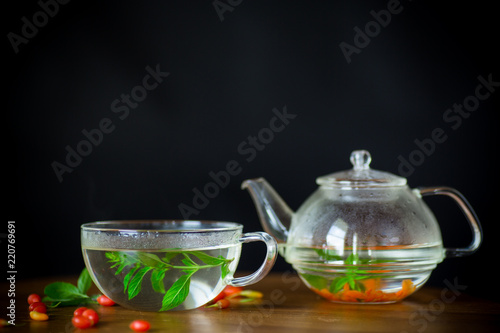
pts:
[274, 214]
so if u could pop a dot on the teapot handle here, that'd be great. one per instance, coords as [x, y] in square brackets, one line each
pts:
[469, 213]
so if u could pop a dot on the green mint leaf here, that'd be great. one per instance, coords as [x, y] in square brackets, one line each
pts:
[84, 281]
[352, 259]
[169, 256]
[134, 287]
[328, 255]
[143, 262]
[72, 302]
[190, 265]
[157, 277]
[128, 277]
[63, 291]
[359, 286]
[352, 283]
[209, 260]
[188, 261]
[120, 260]
[225, 269]
[120, 268]
[362, 277]
[338, 284]
[177, 293]
[149, 259]
[315, 281]
[112, 256]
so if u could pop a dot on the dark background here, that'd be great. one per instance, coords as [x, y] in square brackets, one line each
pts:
[225, 79]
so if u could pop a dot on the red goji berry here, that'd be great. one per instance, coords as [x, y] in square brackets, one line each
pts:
[38, 304]
[79, 311]
[140, 325]
[81, 322]
[32, 298]
[105, 301]
[223, 303]
[231, 290]
[92, 315]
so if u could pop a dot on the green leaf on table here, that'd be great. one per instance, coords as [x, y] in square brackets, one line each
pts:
[63, 291]
[84, 281]
[177, 293]
[71, 302]
[67, 294]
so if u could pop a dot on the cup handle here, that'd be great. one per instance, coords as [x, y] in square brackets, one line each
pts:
[266, 265]
[469, 213]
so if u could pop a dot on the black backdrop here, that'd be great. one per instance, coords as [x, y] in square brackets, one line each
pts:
[77, 83]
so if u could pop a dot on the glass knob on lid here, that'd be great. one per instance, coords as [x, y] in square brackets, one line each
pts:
[361, 159]
[361, 175]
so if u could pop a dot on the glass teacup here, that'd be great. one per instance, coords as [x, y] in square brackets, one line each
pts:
[168, 264]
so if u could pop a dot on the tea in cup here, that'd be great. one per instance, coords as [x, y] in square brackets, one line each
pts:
[166, 265]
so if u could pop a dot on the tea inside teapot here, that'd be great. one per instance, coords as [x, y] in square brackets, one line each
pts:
[363, 235]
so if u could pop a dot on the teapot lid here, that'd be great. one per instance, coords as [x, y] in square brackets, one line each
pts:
[361, 175]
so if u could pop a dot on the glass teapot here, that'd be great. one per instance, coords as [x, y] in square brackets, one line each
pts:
[363, 236]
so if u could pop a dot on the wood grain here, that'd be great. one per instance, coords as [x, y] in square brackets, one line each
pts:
[288, 306]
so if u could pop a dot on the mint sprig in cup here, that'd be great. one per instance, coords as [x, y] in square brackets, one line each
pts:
[168, 265]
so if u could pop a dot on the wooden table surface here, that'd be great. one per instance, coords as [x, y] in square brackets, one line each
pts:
[287, 306]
